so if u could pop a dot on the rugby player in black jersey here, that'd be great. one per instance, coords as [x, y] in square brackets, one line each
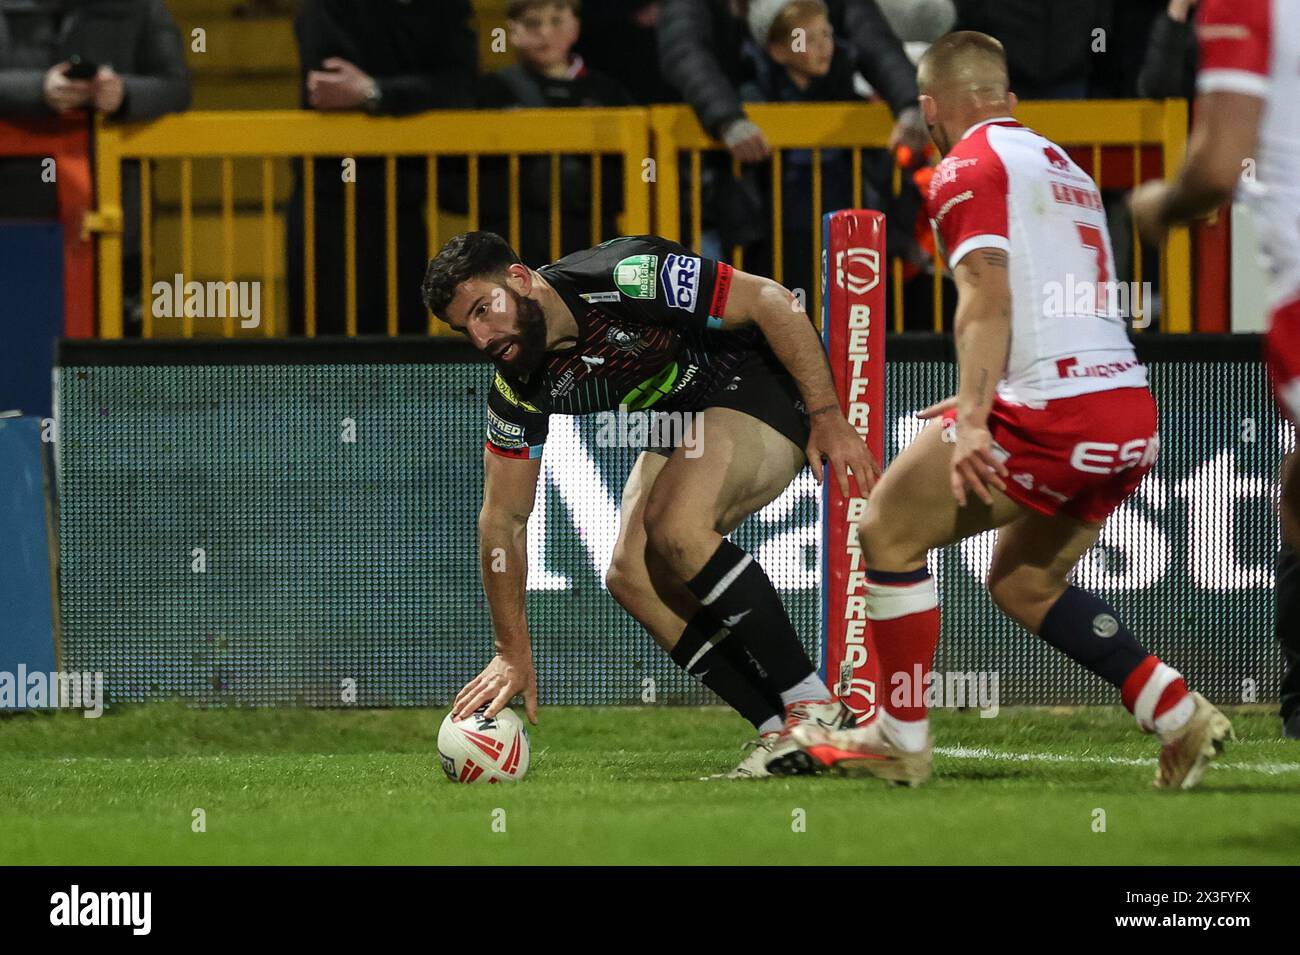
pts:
[643, 323]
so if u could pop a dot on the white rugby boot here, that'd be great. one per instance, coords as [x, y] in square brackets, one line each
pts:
[868, 750]
[754, 765]
[1188, 751]
[787, 757]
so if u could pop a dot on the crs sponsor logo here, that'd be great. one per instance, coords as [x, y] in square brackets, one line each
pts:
[1105, 457]
[857, 270]
[680, 277]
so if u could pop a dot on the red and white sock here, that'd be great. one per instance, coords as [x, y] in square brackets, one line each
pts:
[904, 612]
[1157, 697]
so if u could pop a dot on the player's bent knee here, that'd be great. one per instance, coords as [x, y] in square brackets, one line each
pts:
[669, 539]
[1002, 590]
[627, 580]
[884, 543]
[1023, 596]
[667, 532]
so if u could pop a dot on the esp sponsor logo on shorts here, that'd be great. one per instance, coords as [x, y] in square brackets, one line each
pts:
[680, 276]
[1105, 457]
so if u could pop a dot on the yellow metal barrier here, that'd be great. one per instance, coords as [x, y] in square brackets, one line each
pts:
[652, 181]
[1084, 123]
[223, 137]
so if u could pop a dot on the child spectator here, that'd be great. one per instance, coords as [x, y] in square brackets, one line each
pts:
[549, 74]
[797, 59]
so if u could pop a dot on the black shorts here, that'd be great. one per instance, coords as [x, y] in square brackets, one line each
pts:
[762, 389]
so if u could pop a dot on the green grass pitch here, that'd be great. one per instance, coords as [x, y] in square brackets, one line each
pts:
[619, 785]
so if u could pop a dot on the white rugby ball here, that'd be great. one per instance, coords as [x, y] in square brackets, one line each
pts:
[482, 749]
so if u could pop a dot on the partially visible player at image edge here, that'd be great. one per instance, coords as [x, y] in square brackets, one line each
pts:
[1248, 107]
[1053, 427]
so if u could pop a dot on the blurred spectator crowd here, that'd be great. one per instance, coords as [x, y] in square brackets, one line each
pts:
[125, 59]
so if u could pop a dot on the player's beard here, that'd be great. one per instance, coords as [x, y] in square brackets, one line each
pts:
[529, 337]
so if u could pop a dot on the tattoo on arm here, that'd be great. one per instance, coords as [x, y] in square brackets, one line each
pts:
[993, 258]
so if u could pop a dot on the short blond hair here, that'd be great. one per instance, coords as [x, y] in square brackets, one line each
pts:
[967, 59]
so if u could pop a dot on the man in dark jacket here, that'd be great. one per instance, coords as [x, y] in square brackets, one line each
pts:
[383, 57]
[139, 72]
[619, 39]
[1048, 42]
[1169, 69]
[700, 53]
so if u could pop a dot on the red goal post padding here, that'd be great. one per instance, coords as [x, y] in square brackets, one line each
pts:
[853, 329]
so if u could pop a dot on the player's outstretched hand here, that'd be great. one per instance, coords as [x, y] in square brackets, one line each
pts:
[974, 465]
[497, 685]
[844, 450]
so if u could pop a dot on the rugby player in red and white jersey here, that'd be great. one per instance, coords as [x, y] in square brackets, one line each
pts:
[1248, 114]
[1052, 428]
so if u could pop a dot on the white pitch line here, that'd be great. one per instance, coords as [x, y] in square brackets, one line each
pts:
[966, 752]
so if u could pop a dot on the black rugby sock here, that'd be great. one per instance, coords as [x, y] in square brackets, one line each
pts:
[700, 652]
[734, 589]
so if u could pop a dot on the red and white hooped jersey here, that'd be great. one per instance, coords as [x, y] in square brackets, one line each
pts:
[1003, 186]
[1253, 47]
